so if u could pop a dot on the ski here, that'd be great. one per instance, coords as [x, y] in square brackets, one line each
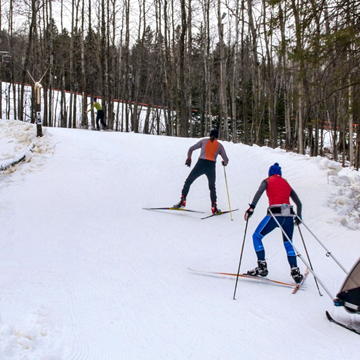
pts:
[331, 319]
[220, 213]
[244, 276]
[173, 208]
[298, 286]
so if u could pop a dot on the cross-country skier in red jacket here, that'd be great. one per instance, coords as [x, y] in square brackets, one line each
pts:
[279, 193]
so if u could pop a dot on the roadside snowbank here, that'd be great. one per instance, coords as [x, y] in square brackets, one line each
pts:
[18, 140]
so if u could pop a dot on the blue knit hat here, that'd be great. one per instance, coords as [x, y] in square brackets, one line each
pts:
[275, 170]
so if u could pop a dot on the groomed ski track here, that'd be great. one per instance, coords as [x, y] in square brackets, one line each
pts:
[86, 274]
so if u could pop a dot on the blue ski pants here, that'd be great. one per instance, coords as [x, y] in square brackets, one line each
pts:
[267, 225]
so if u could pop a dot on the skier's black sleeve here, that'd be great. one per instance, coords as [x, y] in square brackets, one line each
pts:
[297, 201]
[260, 191]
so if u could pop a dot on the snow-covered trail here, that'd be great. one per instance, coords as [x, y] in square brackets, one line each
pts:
[85, 273]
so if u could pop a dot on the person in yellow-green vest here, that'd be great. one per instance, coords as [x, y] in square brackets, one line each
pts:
[100, 115]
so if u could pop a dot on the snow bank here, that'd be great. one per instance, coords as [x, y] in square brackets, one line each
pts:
[18, 141]
[344, 197]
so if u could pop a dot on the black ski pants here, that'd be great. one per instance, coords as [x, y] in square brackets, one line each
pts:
[100, 116]
[202, 167]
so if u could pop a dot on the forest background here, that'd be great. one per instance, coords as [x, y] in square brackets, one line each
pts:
[265, 72]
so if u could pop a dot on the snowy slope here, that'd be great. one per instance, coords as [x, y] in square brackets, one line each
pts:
[85, 273]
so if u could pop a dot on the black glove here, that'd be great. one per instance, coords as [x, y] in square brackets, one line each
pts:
[188, 162]
[223, 163]
[297, 220]
[249, 212]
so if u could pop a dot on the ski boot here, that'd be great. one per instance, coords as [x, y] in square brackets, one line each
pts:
[181, 203]
[295, 273]
[261, 269]
[214, 209]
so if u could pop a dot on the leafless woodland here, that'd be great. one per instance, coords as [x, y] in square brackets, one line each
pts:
[265, 72]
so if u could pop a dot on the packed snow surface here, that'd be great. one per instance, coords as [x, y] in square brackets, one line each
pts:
[86, 273]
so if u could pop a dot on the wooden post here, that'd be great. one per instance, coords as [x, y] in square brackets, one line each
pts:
[37, 87]
[38, 109]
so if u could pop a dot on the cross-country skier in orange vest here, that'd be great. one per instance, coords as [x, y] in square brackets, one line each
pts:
[210, 149]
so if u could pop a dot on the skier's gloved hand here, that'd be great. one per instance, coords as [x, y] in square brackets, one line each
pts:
[188, 162]
[249, 212]
[297, 220]
[223, 163]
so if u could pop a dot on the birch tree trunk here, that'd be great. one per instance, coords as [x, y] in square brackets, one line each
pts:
[282, 61]
[189, 70]
[182, 85]
[32, 27]
[207, 72]
[168, 71]
[351, 122]
[271, 85]
[122, 82]
[137, 69]
[255, 75]
[71, 63]
[12, 77]
[296, 7]
[51, 68]
[111, 63]
[127, 44]
[104, 60]
[1, 75]
[235, 77]
[224, 134]
[75, 84]
[84, 118]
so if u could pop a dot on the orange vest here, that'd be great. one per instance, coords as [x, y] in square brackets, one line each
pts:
[211, 148]
[278, 190]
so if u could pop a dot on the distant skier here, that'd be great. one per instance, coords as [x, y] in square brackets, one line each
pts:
[210, 149]
[279, 193]
[100, 115]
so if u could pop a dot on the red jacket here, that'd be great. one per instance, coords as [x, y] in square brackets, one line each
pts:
[278, 190]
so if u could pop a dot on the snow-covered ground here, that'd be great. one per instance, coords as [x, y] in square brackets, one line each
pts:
[86, 273]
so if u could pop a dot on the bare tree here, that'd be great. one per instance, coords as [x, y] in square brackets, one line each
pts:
[224, 131]
[1, 65]
[181, 87]
[255, 74]
[235, 72]
[84, 118]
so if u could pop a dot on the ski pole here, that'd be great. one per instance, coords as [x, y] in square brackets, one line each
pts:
[307, 254]
[328, 253]
[228, 194]
[300, 256]
[242, 250]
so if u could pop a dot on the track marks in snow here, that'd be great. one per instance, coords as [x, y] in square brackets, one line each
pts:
[113, 276]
